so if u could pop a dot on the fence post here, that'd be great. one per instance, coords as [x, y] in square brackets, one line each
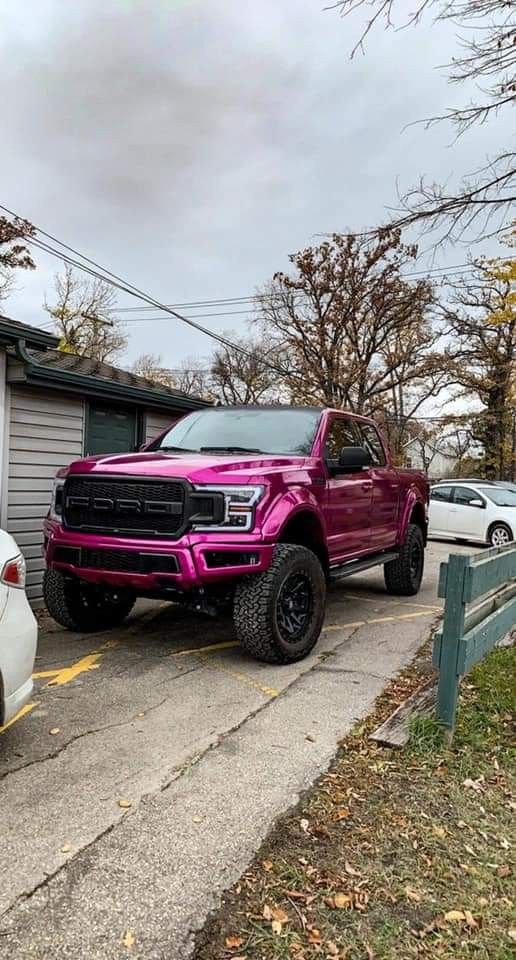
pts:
[453, 628]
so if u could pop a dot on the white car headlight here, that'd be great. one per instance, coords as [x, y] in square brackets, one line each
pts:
[239, 504]
[56, 503]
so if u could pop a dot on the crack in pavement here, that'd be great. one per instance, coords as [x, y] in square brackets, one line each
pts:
[107, 726]
[176, 774]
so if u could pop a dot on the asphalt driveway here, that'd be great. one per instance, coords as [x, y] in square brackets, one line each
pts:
[153, 759]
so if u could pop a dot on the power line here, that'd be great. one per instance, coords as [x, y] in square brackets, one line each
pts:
[121, 284]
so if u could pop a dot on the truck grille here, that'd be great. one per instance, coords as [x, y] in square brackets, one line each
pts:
[119, 561]
[125, 507]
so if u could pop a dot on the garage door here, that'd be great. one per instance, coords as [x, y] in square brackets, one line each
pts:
[110, 430]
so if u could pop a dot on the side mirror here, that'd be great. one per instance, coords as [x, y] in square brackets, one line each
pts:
[477, 503]
[352, 459]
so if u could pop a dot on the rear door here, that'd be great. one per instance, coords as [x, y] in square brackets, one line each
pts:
[385, 490]
[439, 510]
[468, 514]
[349, 495]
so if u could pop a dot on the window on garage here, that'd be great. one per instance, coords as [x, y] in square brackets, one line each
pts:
[110, 429]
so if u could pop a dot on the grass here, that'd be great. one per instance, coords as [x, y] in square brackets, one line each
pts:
[394, 854]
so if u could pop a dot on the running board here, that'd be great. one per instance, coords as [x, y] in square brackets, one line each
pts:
[341, 570]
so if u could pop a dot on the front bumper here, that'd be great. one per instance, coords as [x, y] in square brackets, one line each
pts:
[199, 559]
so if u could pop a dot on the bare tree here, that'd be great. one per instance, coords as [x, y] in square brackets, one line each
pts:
[193, 377]
[250, 374]
[84, 317]
[354, 332]
[150, 366]
[14, 253]
[487, 57]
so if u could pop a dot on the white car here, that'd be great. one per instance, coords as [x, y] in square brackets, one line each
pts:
[481, 512]
[18, 632]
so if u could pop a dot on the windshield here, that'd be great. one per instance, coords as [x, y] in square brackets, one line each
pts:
[240, 430]
[500, 495]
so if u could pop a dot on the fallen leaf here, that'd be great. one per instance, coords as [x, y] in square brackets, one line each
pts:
[332, 948]
[314, 935]
[454, 916]
[267, 913]
[196, 819]
[342, 814]
[304, 824]
[360, 900]
[233, 942]
[461, 824]
[125, 804]
[439, 831]
[351, 870]
[267, 864]
[483, 901]
[66, 848]
[280, 915]
[512, 934]
[342, 901]
[310, 739]
[128, 939]
[504, 871]
[470, 920]
[55, 730]
[473, 784]
[277, 927]
[413, 895]
[140, 714]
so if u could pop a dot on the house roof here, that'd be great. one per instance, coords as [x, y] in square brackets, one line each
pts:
[12, 330]
[42, 365]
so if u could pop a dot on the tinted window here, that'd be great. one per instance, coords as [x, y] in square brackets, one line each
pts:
[267, 429]
[372, 443]
[342, 433]
[441, 493]
[465, 495]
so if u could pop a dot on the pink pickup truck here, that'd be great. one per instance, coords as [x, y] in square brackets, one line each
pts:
[256, 508]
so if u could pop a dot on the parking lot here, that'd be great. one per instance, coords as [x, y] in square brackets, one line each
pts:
[153, 759]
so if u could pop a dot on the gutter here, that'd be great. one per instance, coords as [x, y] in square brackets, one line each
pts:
[79, 383]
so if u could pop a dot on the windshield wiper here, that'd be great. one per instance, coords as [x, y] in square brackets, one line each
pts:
[178, 450]
[230, 449]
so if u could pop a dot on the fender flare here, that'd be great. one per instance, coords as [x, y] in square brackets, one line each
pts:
[287, 506]
[412, 500]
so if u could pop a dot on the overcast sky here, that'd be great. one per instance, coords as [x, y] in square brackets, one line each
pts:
[191, 145]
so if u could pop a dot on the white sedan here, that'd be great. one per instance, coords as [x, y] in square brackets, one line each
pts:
[481, 512]
[18, 632]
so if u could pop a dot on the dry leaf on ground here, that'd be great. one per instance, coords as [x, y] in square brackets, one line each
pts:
[125, 804]
[233, 942]
[128, 939]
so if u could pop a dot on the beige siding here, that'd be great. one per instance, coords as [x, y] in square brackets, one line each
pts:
[46, 432]
[156, 423]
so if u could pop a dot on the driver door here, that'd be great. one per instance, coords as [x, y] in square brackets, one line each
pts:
[349, 495]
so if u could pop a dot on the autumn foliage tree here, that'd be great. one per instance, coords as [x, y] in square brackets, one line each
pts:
[353, 331]
[84, 317]
[248, 372]
[14, 252]
[481, 322]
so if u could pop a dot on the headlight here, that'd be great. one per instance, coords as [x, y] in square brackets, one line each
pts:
[239, 504]
[56, 503]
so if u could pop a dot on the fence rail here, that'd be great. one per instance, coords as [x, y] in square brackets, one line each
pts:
[480, 609]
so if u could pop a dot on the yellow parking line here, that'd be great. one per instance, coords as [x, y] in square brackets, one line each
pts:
[395, 619]
[46, 673]
[21, 713]
[241, 677]
[396, 603]
[81, 666]
[209, 649]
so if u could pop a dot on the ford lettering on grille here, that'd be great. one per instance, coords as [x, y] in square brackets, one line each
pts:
[125, 507]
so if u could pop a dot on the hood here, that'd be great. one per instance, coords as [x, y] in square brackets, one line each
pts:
[196, 467]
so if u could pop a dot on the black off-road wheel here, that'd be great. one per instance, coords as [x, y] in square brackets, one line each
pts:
[278, 615]
[403, 576]
[82, 606]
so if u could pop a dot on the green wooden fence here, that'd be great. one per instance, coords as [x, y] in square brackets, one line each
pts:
[480, 608]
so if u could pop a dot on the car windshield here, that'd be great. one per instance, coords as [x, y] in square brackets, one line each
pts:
[500, 495]
[243, 430]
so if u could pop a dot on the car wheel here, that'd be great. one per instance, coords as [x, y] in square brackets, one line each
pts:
[77, 605]
[403, 576]
[500, 535]
[278, 614]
